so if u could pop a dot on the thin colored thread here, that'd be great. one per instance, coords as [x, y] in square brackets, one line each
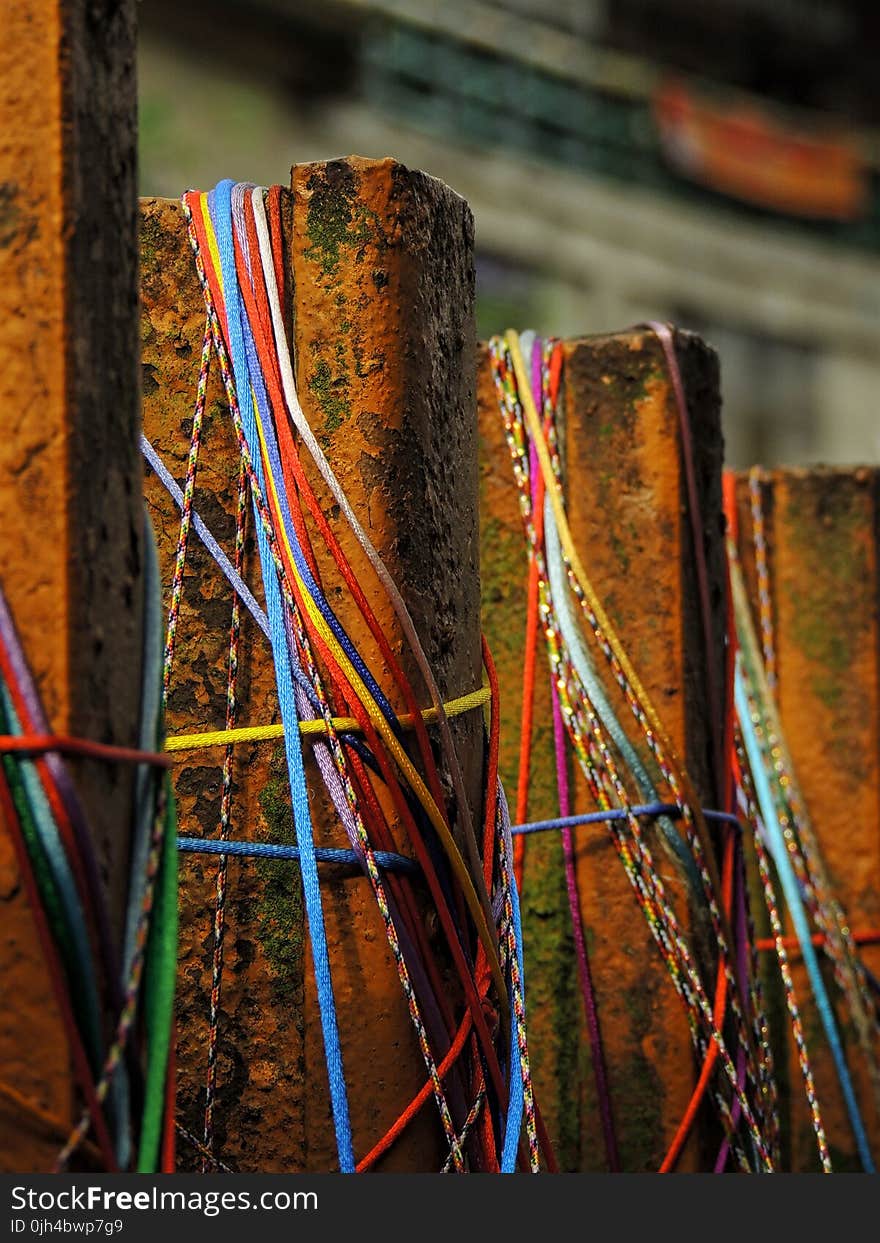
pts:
[765, 601]
[186, 511]
[745, 785]
[129, 1009]
[225, 815]
[645, 879]
[866, 936]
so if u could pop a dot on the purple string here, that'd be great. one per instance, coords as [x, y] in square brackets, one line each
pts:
[741, 932]
[61, 777]
[429, 1008]
[597, 1052]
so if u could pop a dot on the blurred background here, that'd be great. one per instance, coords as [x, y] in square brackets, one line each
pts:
[713, 162]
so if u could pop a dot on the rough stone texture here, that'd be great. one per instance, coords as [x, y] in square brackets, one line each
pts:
[384, 336]
[70, 478]
[553, 996]
[822, 533]
[260, 1047]
[383, 332]
[627, 509]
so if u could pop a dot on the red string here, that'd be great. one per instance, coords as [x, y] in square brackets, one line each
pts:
[169, 1131]
[82, 1070]
[418, 1101]
[531, 644]
[64, 744]
[724, 755]
[869, 936]
[528, 712]
[684, 1127]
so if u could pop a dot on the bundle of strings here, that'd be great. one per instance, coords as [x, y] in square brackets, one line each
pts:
[788, 855]
[722, 1002]
[116, 1001]
[477, 1075]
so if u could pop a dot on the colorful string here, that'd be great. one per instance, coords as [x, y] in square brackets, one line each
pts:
[122, 1084]
[319, 670]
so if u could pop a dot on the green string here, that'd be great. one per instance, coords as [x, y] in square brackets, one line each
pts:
[62, 934]
[160, 971]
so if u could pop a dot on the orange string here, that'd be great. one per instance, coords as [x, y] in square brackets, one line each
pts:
[684, 1127]
[417, 1102]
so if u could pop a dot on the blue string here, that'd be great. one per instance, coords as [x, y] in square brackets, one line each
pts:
[302, 565]
[386, 859]
[516, 1098]
[221, 209]
[791, 890]
[239, 586]
[652, 810]
[392, 862]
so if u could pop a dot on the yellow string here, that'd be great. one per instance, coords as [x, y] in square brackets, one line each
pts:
[341, 724]
[554, 491]
[406, 766]
[477, 904]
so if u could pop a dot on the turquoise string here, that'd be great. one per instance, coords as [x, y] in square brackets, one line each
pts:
[794, 902]
[516, 1097]
[220, 204]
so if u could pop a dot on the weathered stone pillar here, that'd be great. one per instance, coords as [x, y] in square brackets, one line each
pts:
[382, 293]
[70, 474]
[627, 507]
[821, 529]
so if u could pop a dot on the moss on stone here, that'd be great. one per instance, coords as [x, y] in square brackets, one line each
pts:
[331, 393]
[834, 566]
[551, 971]
[335, 219]
[280, 904]
[638, 1108]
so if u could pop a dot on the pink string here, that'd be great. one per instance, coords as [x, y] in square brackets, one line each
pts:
[742, 942]
[585, 976]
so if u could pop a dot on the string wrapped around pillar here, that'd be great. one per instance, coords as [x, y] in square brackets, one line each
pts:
[379, 767]
[124, 1077]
